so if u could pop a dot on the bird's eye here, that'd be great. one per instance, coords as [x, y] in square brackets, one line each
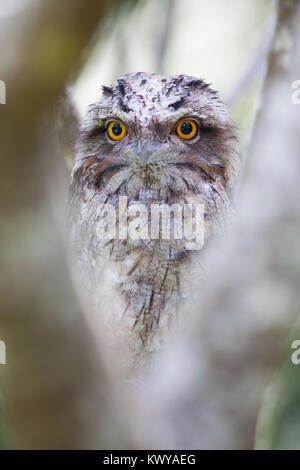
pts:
[187, 129]
[116, 130]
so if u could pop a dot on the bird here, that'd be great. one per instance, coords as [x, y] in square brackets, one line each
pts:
[149, 140]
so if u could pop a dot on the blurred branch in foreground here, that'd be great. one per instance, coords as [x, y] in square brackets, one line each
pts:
[211, 398]
[57, 392]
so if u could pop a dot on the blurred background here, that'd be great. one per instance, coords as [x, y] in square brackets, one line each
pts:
[223, 42]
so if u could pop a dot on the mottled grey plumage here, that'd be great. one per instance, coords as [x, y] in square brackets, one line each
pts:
[138, 284]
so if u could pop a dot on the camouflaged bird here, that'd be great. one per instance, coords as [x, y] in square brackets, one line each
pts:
[152, 140]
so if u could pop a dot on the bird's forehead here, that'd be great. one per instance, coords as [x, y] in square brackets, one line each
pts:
[145, 97]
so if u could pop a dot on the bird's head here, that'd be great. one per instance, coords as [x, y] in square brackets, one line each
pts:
[149, 132]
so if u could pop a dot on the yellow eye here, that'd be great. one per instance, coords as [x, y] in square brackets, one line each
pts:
[116, 130]
[187, 129]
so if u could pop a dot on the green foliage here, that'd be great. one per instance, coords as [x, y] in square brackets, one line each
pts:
[279, 421]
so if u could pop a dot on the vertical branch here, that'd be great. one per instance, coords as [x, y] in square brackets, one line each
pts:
[169, 7]
[267, 50]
